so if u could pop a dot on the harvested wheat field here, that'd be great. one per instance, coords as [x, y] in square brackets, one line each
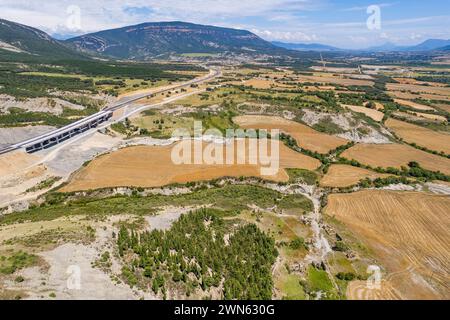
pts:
[335, 69]
[341, 176]
[305, 136]
[396, 155]
[429, 96]
[335, 80]
[434, 117]
[413, 105]
[438, 141]
[425, 96]
[259, 83]
[371, 113]
[359, 290]
[263, 83]
[417, 82]
[443, 106]
[408, 234]
[152, 166]
[418, 89]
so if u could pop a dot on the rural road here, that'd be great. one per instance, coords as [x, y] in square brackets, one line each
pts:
[124, 102]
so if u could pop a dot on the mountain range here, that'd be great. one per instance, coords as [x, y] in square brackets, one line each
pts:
[427, 45]
[161, 39]
[149, 40]
[22, 39]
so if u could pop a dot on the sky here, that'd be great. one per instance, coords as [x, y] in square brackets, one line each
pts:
[349, 24]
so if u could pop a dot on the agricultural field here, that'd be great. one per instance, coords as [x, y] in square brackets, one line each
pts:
[413, 105]
[428, 116]
[395, 155]
[330, 79]
[444, 91]
[305, 136]
[371, 113]
[153, 167]
[437, 141]
[341, 175]
[407, 233]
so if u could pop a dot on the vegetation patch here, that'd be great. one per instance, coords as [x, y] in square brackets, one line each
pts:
[14, 261]
[186, 260]
[230, 197]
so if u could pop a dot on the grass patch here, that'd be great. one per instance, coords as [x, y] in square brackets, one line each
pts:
[44, 184]
[318, 283]
[303, 176]
[230, 197]
[16, 261]
[296, 201]
[291, 288]
[327, 126]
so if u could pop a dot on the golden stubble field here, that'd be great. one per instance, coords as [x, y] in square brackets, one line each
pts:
[413, 104]
[341, 176]
[152, 166]
[396, 155]
[371, 113]
[408, 234]
[265, 84]
[428, 116]
[305, 136]
[444, 91]
[438, 141]
[405, 95]
[333, 79]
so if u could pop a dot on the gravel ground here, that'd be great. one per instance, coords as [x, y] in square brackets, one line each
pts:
[14, 135]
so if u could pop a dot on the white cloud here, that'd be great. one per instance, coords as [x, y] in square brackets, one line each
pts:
[415, 36]
[101, 14]
[288, 36]
[285, 20]
[363, 8]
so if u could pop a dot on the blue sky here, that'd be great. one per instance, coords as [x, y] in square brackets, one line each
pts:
[339, 23]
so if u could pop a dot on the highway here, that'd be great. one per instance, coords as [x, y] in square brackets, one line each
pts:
[59, 135]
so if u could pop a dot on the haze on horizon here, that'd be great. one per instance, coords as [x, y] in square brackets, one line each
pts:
[338, 23]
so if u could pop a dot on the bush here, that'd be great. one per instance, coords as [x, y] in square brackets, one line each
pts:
[347, 276]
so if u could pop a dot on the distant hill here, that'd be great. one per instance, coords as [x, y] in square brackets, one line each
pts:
[149, 40]
[17, 38]
[446, 48]
[387, 47]
[430, 44]
[305, 46]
